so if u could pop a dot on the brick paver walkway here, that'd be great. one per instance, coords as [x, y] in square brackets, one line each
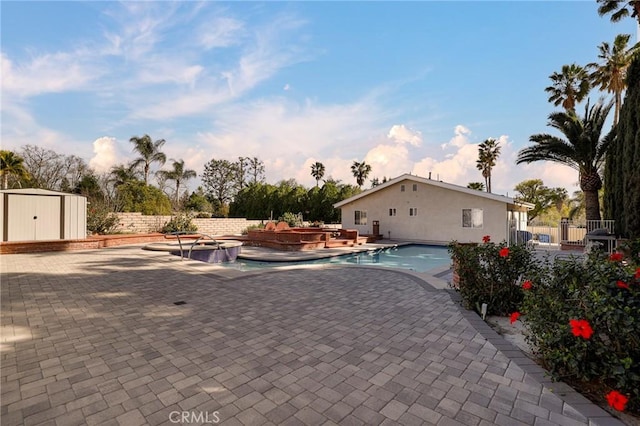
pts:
[95, 338]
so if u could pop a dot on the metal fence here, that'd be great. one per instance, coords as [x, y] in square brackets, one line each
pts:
[567, 233]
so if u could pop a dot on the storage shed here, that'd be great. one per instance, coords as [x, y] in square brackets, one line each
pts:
[38, 214]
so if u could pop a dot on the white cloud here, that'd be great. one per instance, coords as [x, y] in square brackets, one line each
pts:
[107, 154]
[286, 87]
[48, 73]
[402, 134]
[460, 139]
[221, 32]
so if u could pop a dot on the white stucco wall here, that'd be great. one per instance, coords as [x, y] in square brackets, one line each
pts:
[439, 217]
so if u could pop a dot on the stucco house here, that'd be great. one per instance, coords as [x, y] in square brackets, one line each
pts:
[415, 208]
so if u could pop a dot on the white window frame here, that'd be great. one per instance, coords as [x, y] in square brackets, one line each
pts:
[392, 212]
[472, 218]
[401, 188]
[360, 217]
[413, 211]
[415, 187]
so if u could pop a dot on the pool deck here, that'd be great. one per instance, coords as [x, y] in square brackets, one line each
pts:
[96, 337]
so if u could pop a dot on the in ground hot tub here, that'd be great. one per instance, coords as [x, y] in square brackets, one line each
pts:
[209, 251]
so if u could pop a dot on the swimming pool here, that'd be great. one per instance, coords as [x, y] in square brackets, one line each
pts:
[414, 257]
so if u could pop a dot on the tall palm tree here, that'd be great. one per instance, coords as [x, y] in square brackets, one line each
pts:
[619, 9]
[360, 172]
[149, 153]
[478, 186]
[584, 149]
[11, 164]
[488, 153]
[317, 171]
[122, 174]
[179, 175]
[569, 87]
[611, 73]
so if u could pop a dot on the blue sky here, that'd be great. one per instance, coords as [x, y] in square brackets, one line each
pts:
[408, 87]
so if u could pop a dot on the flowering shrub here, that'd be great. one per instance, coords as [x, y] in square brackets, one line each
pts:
[100, 220]
[491, 273]
[180, 223]
[583, 320]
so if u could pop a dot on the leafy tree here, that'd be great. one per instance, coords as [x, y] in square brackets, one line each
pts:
[255, 170]
[478, 186]
[219, 180]
[12, 166]
[488, 153]
[198, 202]
[622, 174]
[569, 87]
[535, 192]
[317, 171]
[584, 149]
[89, 186]
[360, 171]
[619, 9]
[611, 73]
[136, 196]
[178, 174]
[149, 153]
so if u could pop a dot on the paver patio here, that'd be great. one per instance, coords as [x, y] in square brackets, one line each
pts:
[94, 337]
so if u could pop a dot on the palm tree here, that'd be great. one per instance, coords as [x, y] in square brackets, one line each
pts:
[122, 174]
[611, 74]
[179, 174]
[569, 86]
[149, 153]
[584, 149]
[11, 164]
[360, 172]
[478, 186]
[618, 9]
[317, 171]
[488, 153]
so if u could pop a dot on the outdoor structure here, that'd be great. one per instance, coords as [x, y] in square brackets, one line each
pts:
[279, 236]
[415, 208]
[38, 214]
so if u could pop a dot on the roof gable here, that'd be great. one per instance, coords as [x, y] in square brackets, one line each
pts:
[436, 183]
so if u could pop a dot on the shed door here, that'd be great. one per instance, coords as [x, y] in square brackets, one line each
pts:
[33, 217]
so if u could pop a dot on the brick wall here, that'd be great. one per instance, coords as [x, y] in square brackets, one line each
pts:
[138, 223]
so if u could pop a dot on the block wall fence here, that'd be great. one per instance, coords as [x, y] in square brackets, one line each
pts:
[138, 223]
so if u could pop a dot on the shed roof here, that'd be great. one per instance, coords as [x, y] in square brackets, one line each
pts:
[437, 183]
[36, 191]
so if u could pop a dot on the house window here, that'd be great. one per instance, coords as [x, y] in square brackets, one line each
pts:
[413, 211]
[401, 188]
[472, 218]
[415, 187]
[360, 217]
[392, 212]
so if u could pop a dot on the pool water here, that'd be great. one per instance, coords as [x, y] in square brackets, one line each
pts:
[414, 257]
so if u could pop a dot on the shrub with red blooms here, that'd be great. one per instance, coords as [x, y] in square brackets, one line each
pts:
[583, 321]
[527, 285]
[581, 328]
[514, 317]
[616, 400]
[491, 273]
[486, 239]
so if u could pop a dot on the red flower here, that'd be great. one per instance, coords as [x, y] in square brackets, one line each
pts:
[486, 239]
[617, 400]
[622, 284]
[504, 252]
[581, 328]
[514, 317]
[637, 275]
[615, 257]
[526, 285]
